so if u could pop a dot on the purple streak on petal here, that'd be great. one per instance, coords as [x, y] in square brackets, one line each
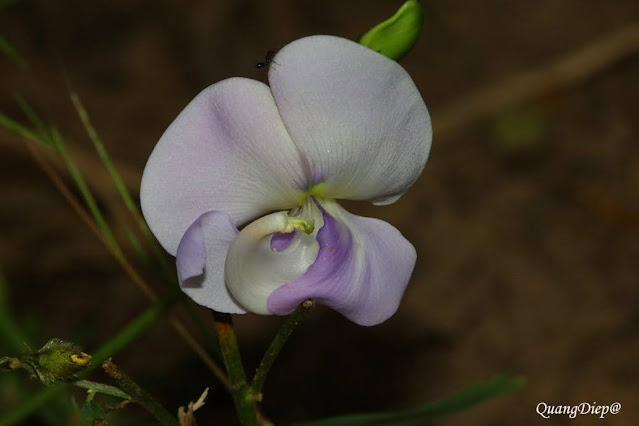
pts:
[191, 253]
[280, 241]
[363, 278]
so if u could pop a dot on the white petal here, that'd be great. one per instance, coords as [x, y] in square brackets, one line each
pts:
[254, 270]
[227, 151]
[355, 115]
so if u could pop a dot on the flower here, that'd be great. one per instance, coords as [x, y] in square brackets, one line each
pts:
[339, 121]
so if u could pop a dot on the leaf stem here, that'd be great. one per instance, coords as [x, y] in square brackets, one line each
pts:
[276, 346]
[242, 395]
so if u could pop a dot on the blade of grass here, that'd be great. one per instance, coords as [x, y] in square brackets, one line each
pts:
[85, 192]
[121, 187]
[31, 115]
[55, 139]
[20, 130]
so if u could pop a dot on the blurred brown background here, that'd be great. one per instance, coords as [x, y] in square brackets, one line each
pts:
[525, 219]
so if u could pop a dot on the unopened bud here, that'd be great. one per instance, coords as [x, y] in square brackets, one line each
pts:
[58, 360]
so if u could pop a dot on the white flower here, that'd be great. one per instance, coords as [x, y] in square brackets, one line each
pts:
[338, 121]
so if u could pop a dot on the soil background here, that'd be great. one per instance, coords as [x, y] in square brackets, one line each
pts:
[525, 222]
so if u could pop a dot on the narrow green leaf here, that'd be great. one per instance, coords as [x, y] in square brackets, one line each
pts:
[460, 401]
[20, 130]
[102, 388]
[32, 116]
[12, 53]
[118, 182]
[102, 152]
[396, 36]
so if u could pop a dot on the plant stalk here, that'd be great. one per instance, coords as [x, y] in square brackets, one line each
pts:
[242, 395]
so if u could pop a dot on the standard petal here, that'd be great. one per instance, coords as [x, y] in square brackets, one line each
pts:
[228, 150]
[362, 269]
[355, 115]
[255, 266]
[200, 261]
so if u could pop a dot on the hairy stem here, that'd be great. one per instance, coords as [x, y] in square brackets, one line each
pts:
[276, 346]
[139, 395]
[241, 391]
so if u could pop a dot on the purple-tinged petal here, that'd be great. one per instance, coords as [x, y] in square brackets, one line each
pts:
[355, 115]
[362, 269]
[200, 261]
[228, 150]
[190, 258]
[279, 240]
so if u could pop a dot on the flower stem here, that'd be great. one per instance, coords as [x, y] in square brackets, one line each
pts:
[276, 346]
[139, 395]
[241, 391]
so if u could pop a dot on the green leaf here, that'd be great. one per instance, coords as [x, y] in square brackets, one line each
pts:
[102, 388]
[396, 36]
[460, 401]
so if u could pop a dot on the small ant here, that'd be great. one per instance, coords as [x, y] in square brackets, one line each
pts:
[268, 58]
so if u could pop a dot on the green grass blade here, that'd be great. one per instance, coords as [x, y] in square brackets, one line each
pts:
[121, 187]
[103, 154]
[21, 130]
[85, 192]
[31, 115]
[460, 401]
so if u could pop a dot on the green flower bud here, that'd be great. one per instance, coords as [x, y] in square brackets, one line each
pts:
[396, 36]
[56, 361]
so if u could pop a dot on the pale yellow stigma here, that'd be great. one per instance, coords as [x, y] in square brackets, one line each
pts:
[81, 358]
